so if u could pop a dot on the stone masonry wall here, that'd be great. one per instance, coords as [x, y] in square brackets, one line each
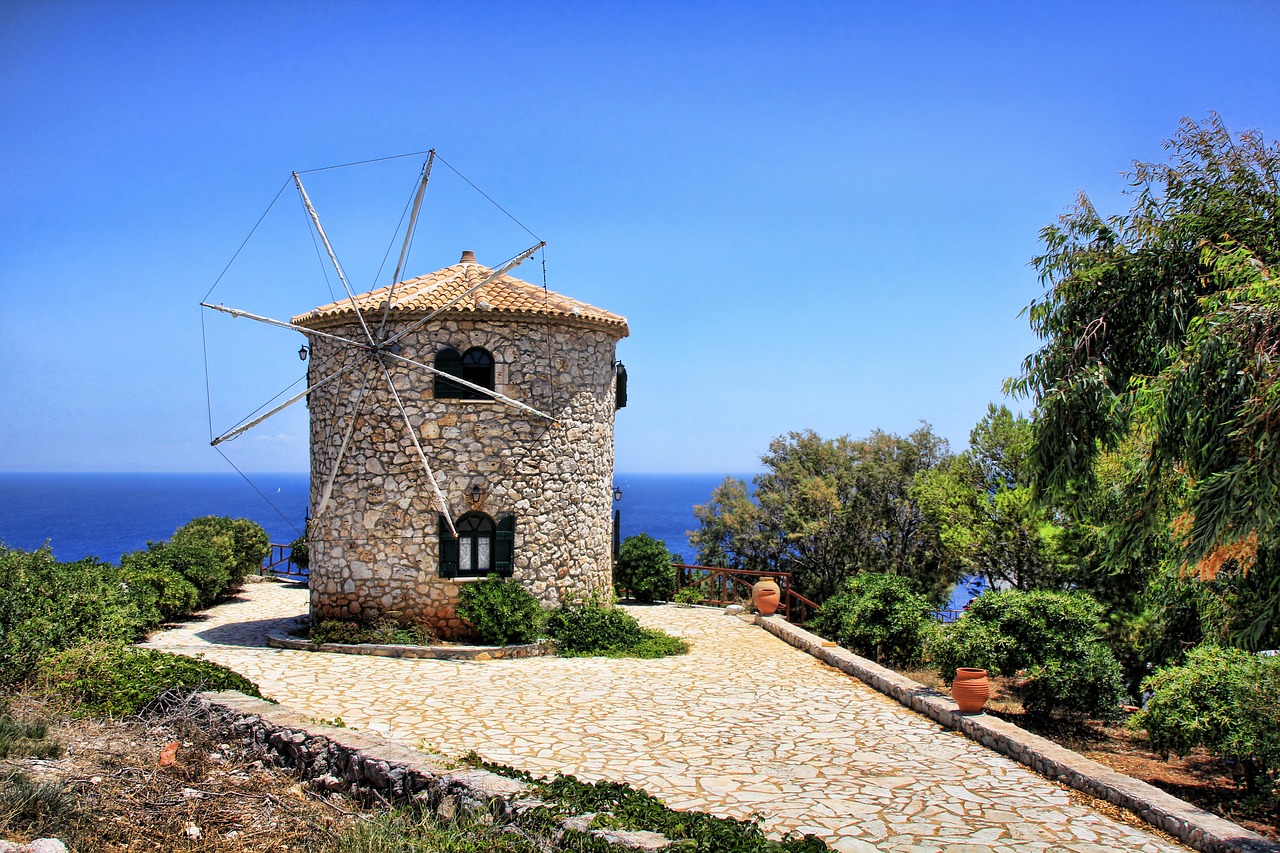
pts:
[374, 549]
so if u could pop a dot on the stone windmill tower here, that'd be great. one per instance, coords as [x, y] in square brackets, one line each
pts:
[472, 435]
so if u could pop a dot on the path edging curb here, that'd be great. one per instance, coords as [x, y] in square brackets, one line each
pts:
[1190, 824]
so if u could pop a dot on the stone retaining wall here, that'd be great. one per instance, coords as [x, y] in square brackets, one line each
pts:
[378, 770]
[1193, 826]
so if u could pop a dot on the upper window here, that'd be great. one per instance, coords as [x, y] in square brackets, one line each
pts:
[474, 366]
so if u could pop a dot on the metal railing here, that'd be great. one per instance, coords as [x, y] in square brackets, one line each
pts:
[724, 586]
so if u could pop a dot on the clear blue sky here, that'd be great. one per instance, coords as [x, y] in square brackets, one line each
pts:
[814, 215]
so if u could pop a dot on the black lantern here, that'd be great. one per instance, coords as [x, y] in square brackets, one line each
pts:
[617, 494]
[303, 352]
[475, 493]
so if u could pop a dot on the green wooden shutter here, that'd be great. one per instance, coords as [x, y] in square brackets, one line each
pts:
[448, 551]
[620, 386]
[448, 360]
[504, 549]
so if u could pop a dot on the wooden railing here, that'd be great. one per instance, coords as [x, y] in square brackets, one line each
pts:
[278, 557]
[723, 586]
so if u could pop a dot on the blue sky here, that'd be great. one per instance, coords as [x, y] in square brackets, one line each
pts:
[814, 215]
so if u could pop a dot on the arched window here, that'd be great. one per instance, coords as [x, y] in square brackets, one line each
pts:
[475, 366]
[481, 547]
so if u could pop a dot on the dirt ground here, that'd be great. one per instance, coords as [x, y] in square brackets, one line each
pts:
[1198, 778]
[165, 783]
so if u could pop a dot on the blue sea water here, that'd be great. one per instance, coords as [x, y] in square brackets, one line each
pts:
[106, 515]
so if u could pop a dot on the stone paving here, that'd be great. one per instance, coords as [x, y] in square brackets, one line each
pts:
[743, 724]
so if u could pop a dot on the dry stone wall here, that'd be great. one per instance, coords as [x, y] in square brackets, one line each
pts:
[374, 545]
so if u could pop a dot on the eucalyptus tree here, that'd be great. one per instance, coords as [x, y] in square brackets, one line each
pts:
[1162, 327]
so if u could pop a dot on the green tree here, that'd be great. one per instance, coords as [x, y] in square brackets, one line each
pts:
[826, 509]
[988, 519]
[1166, 320]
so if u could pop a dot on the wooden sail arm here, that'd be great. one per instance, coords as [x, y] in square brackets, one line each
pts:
[509, 265]
[280, 408]
[422, 456]
[342, 451]
[488, 392]
[236, 312]
[315, 218]
[408, 238]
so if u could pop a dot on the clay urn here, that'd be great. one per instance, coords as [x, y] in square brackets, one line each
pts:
[766, 595]
[970, 690]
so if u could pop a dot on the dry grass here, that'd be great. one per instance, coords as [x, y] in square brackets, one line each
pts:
[114, 792]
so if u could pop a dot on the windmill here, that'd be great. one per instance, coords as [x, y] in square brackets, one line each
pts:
[458, 426]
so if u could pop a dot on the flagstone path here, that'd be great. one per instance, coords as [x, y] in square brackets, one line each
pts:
[742, 724]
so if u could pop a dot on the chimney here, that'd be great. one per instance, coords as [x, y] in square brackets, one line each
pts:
[468, 257]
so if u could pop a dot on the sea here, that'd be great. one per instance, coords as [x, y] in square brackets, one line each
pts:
[105, 515]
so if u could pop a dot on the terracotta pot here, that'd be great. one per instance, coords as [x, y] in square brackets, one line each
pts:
[971, 689]
[767, 595]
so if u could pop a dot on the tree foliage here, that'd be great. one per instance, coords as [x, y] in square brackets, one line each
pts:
[989, 521]
[1164, 321]
[826, 509]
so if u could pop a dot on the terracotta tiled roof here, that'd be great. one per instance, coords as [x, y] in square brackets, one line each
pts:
[505, 295]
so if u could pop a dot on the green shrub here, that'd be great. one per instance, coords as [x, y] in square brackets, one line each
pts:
[1051, 637]
[1091, 684]
[501, 611]
[645, 569]
[878, 616]
[157, 588]
[47, 606]
[111, 678]
[1225, 700]
[239, 545]
[384, 632]
[252, 545]
[298, 553]
[690, 595]
[594, 629]
[201, 565]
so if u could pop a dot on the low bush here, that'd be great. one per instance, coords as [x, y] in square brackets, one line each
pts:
[1053, 638]
[1225, 700]
[594, 629]
[501, 611]
[47, 606]
[201, 565]
[617, 805]
[111, 678]
[157, 588]
[298, 553]
[645, 569]
[1090, 684]
[690, 595]
[878, 616]
[238, 544]
[384, 632]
